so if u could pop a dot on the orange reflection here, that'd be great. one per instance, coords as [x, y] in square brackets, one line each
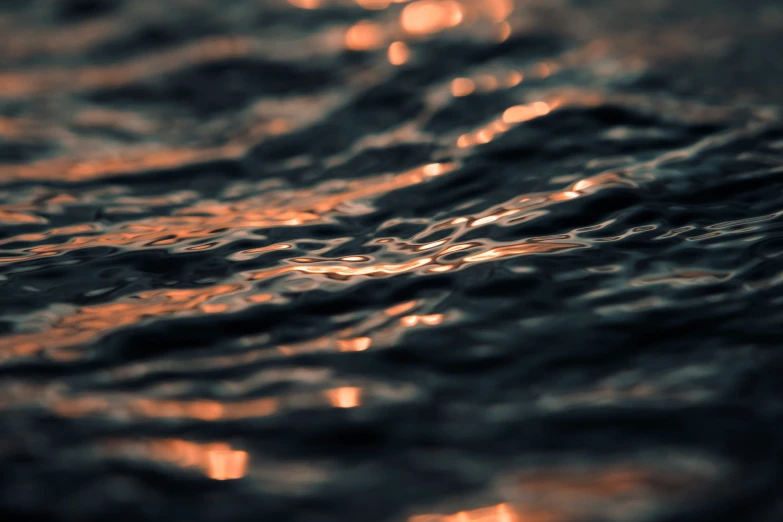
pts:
[525, 248]
[89, 322]
[521, 113]
[430, 320]
[512, 115]
[340, 271]
[354, 345]
[514, 78]
[504, 32]
[206, 219]
[227, 464]
[364, 36]
[484, 221]
[305, 4]
[484, 136]
[385, 330]
[345, 397]
[431, 16]
[400, 308]
[464, 141]
[86, 324]
[217, 460]
[436, 169]
[498, 513]
[398, 53]
[462, 87]
[9, 217]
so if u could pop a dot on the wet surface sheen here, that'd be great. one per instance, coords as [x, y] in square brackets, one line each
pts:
[411, 261]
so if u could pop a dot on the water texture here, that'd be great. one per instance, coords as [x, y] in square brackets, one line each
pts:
[405, 261]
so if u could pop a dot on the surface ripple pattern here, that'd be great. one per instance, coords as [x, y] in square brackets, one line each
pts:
[391, 260]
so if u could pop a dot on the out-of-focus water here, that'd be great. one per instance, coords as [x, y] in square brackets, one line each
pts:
[411, 261]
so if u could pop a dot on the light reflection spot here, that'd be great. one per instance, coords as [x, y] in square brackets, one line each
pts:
[431, 16]
[344, 397]
[227, 464]
[398, 53]
[462, 87]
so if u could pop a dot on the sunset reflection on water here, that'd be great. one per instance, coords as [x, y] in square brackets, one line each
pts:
[401, 260]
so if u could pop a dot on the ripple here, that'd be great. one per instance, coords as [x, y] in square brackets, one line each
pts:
[433, 260]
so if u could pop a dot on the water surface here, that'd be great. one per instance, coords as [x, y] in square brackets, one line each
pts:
[411, 261]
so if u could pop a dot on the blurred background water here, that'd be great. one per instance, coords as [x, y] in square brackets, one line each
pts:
[406, 261]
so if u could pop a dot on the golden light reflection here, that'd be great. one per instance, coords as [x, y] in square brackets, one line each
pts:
[87, 324]
[511, 116]
[498, 513]
[216, 460]
[398, 53]
[400, 308]
[484, 221]
[525, 248]
[484, 136]
[431, 16]
[514, 78]
[306, 4]
[345, 397]
[358, 344]
[90, 322]
[462, 87]
[364, 36]
[504, 31]
[464, 141]
[227, 464]
[521, 113]
[385, 326]
[205, 220]
[9, 217]
[436, 169]
[429, 320]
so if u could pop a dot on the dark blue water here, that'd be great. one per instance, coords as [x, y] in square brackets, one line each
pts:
[414, 261]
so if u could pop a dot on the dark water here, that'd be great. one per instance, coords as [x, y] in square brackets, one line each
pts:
[433, 261]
